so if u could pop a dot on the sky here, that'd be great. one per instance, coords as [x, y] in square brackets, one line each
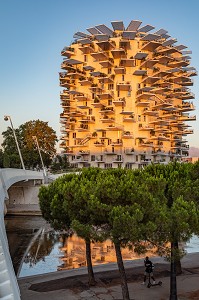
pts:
[33, 33]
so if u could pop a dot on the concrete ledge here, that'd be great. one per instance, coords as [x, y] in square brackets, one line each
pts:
[24, 209]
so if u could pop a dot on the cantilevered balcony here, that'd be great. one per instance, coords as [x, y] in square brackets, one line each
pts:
[118, 53]
[87, 49]
[120, 70]
[88, 119]
[186, 106]
[129, 151]
[119, 101]
[127, 62]
[105, 95]
[99, 56]
[107, 63]
[106, 45]
[123, 86]
[68, 52]
[85, 81]
[187, 118]
[150, 46]
[106, 119]
[127, 135]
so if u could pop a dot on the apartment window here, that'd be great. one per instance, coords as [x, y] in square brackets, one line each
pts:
[128, 166]
[73, 157]
[74, 135]
[109, 102]
[138, 85]
[118, 93]
[109, 141]
[109, 70]
[122, 77]
[85, 58]
[101, 157]
[110, 86]
[93, 95]
[92, 157]
[90, 111]
[129, 93]
[119, 157]
[103, 134]
[144, 118]
[139, 118]
[107, 166]
[136, 157]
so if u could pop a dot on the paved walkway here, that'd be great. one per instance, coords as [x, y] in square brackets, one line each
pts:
[72, 284]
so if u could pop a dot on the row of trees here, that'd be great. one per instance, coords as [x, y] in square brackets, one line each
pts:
[158, 204]
[46, 136]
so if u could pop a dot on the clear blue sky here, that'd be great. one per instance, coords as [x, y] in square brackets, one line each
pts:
[33, 32]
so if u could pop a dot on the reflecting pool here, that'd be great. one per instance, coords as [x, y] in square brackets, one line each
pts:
[37, 249]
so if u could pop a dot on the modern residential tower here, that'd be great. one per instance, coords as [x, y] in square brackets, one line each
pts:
[126, 97]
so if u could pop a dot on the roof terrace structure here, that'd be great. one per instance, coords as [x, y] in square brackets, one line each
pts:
[126, 97]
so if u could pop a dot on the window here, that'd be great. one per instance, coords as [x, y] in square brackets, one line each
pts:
[109, 102]
[139, 117]
[129, 93]
[74, 135]
[110, 86]
[109, 70]
[85, 58]
[128, 166]
[118, 93]
[144, 117]
[119, 157]
[107, 166]
[92, 157]
[122, 77]
[136, 157]
[103, 134]
[90, 111]
[73, 157]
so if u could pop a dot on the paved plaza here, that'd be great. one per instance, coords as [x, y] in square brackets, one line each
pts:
[72, 284]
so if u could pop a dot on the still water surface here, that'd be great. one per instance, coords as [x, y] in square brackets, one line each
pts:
[37, 249]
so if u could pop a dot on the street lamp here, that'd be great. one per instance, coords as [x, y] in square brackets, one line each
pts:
[44, 170]
[6, 118]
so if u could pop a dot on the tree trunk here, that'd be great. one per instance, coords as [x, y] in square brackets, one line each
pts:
[91, 278]
[125, 291]
[178, 262]
[173, 283]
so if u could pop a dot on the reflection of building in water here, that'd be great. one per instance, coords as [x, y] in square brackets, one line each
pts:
[74, 253]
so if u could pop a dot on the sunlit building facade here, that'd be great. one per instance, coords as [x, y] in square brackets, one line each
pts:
[126, 97]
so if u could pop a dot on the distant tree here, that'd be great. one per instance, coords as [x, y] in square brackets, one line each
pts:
[46, 139]
[60, 163]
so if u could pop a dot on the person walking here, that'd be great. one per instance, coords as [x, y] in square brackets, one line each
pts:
[148, 270]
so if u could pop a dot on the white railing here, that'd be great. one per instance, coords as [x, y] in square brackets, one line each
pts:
[9, 289]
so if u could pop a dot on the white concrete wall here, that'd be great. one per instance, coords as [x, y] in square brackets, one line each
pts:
[21, 193]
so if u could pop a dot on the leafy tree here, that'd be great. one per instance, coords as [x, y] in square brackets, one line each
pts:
[123, 204]
[46, 139]
[182, 211]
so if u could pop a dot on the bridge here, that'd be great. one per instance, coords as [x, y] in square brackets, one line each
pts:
[9, 289]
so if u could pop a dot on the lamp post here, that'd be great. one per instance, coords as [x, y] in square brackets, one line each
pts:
[43, 167]
[6, 118]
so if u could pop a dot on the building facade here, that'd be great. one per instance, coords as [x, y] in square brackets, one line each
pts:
[126, 97]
